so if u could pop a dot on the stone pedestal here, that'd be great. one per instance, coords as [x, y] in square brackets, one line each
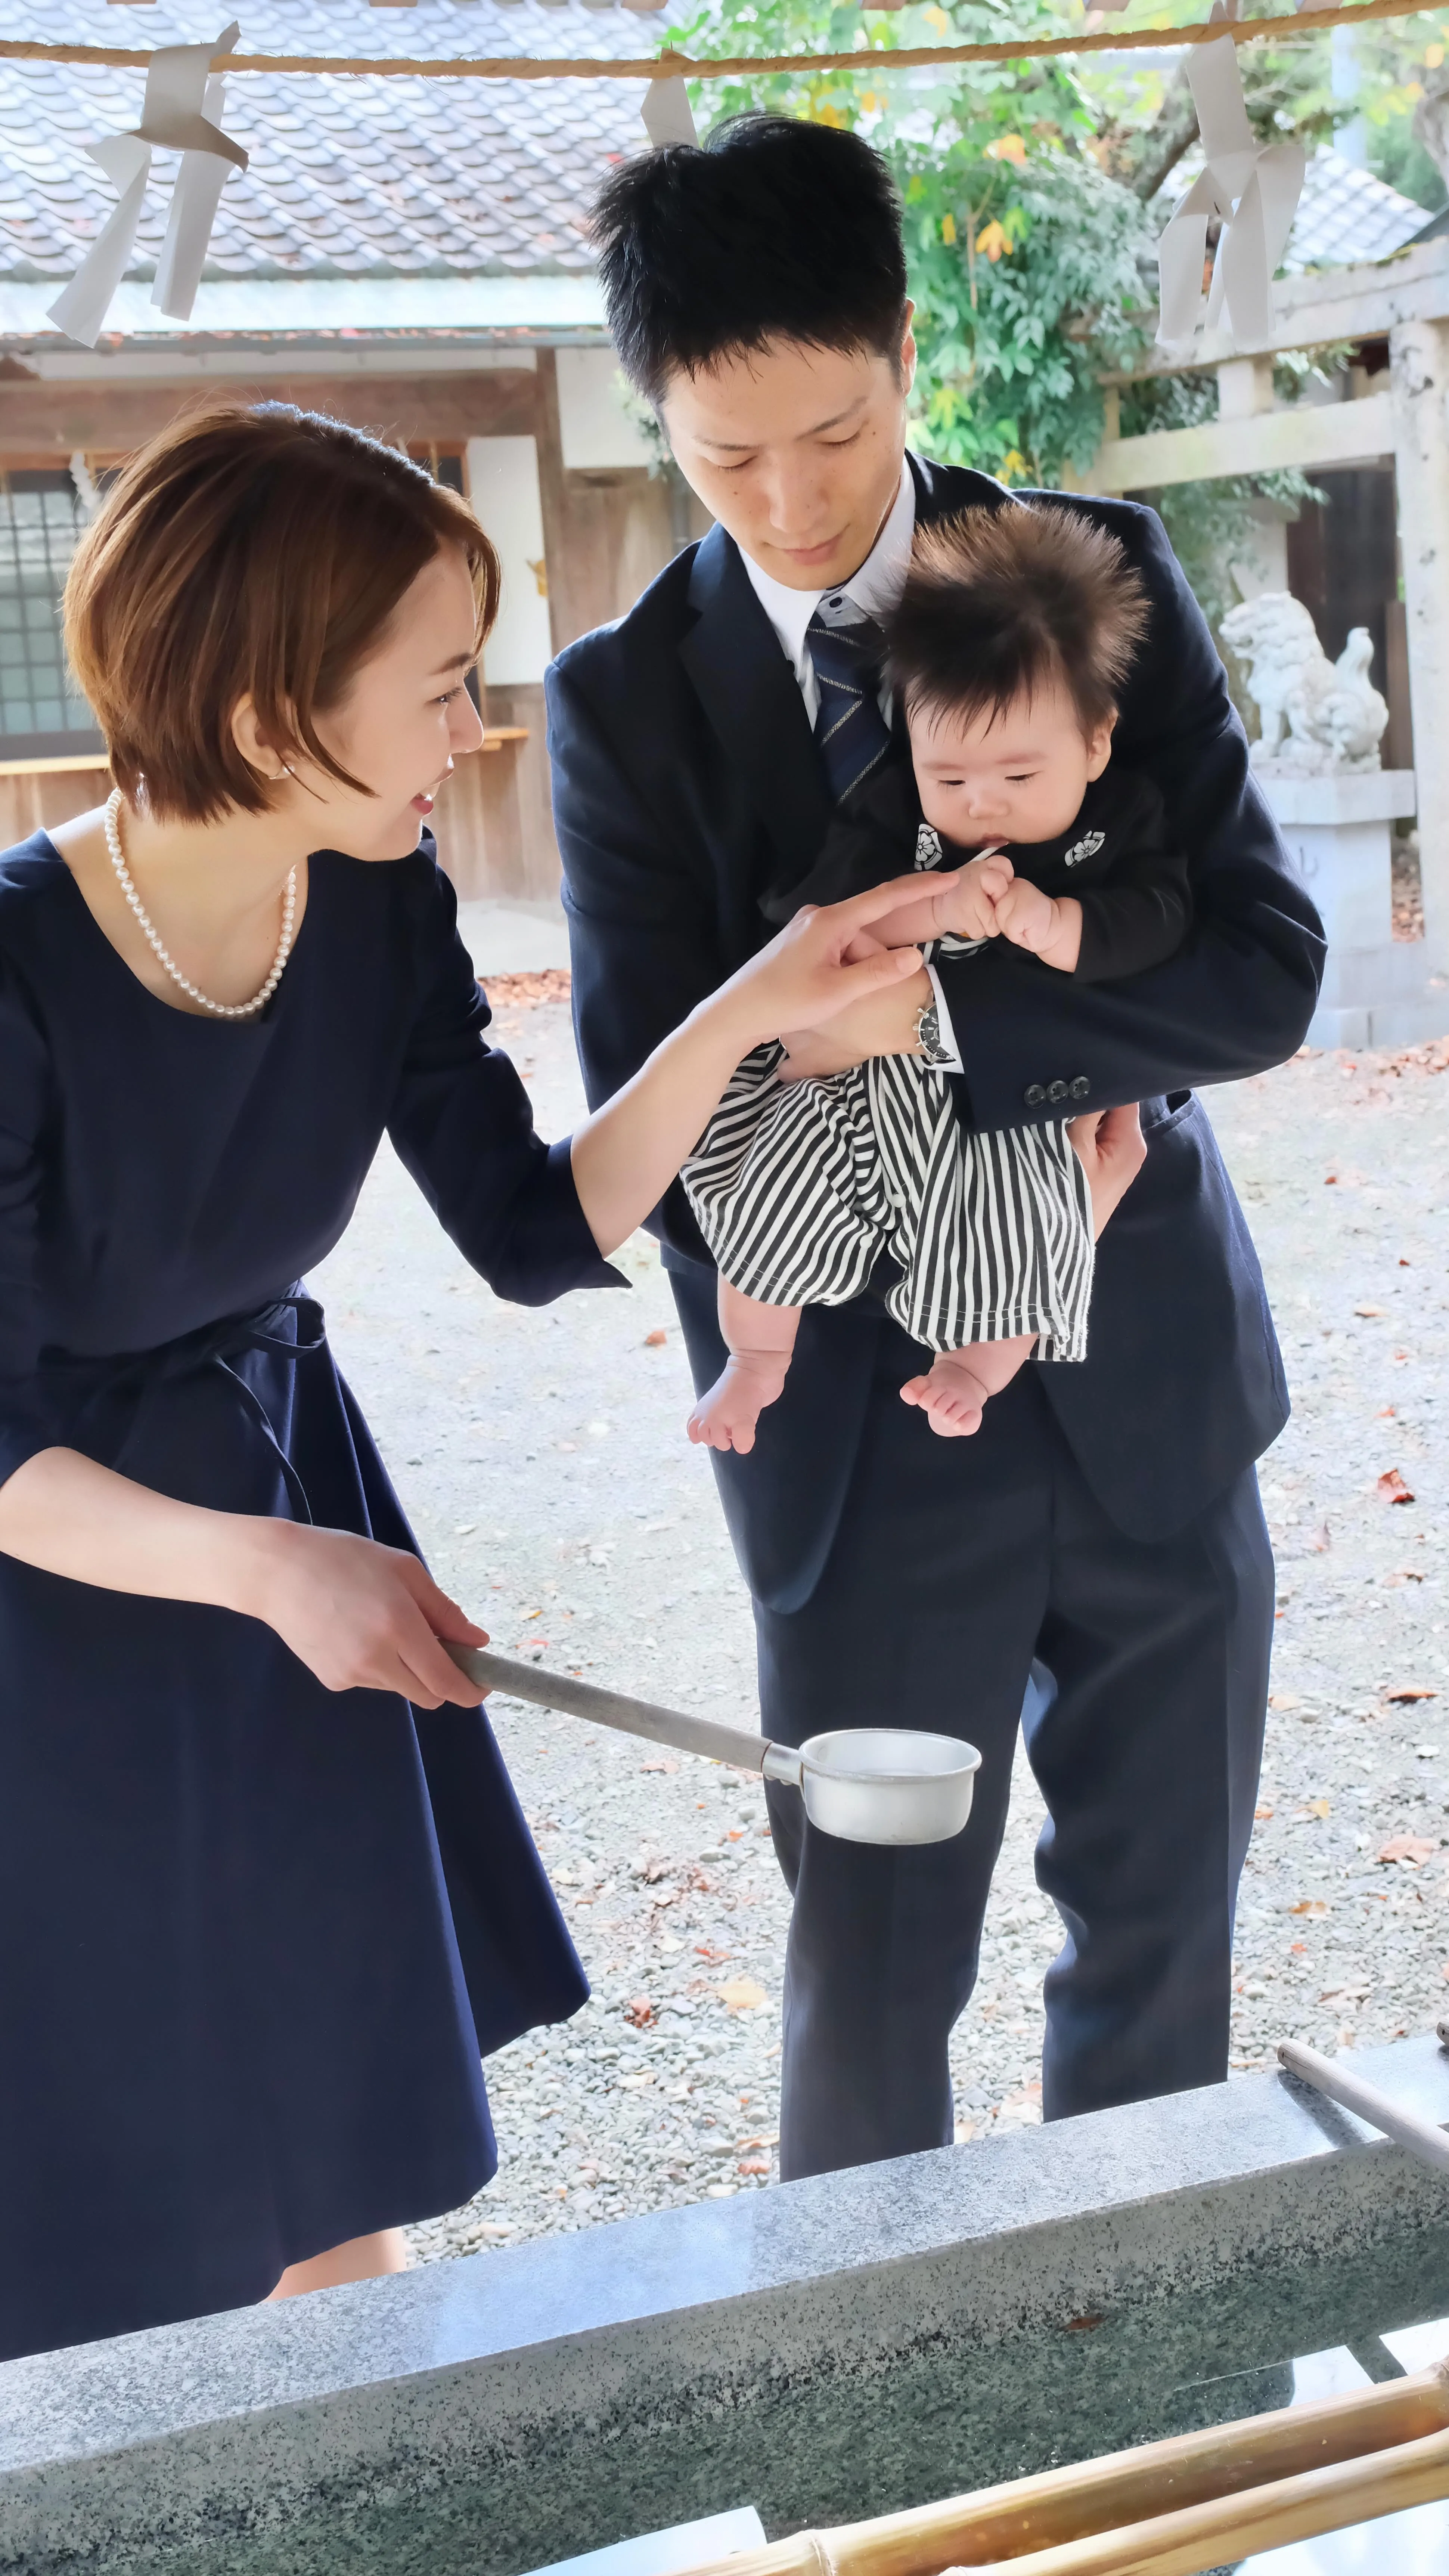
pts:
[1377, 991]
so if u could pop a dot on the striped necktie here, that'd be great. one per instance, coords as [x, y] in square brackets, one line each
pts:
[851, 731]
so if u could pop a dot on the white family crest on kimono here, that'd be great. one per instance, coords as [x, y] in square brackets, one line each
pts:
[1086, 848]
[1318, 717]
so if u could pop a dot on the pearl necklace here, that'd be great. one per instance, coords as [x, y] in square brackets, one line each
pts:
[222, 1010]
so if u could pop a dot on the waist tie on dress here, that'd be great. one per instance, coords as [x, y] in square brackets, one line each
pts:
[215, 1346]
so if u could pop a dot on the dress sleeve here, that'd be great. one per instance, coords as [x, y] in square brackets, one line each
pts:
[26, 1421]
[462, 1125]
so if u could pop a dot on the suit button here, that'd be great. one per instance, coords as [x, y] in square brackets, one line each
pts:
[1034, 1095]
[1080, 1087]
[1056, 1091]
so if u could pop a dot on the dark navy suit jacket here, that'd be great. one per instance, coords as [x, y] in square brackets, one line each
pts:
[685, 778]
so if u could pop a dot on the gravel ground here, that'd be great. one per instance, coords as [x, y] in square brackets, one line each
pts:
[543, 1458]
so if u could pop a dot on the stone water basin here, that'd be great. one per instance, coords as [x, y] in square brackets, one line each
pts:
[822, 2351]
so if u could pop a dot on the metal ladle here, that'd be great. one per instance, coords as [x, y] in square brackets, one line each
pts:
[864, 1784]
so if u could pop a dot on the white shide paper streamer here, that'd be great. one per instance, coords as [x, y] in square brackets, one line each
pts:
[181, 112]
[1252, 188]
[666, 112]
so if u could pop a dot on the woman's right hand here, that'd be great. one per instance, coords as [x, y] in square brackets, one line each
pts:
[359, 1615]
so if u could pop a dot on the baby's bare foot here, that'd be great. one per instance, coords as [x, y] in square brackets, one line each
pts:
[954, 1392]
[725, 1418]
[951, 1396]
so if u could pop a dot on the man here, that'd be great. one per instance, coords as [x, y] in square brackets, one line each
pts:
[1102, 1531]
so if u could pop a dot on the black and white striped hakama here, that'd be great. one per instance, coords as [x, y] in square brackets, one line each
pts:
[800, 1187]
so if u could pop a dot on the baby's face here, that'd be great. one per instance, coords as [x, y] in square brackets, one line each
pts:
[1016, 776]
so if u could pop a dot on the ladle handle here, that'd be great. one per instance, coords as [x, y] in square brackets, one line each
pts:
[1329, 2075]
[611, 1708]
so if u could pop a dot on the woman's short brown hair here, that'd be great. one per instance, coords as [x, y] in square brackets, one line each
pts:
[250, 549]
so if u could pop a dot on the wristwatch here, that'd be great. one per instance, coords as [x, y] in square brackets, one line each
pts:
[928, 1035]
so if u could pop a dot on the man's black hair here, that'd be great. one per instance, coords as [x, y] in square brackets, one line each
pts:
[772, 229]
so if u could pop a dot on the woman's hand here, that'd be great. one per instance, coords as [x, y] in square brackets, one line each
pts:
[1111, 1150]
[628, 1152]
[359, 1615]
[881, 1023]
[806, 975]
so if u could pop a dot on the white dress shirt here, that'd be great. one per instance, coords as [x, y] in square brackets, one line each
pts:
[874, 589]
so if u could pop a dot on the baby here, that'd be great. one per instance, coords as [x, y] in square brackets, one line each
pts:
[1014, 633]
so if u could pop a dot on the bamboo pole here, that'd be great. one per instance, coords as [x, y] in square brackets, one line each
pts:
[862, 58]
[1263, 2460]
[1202, 2537]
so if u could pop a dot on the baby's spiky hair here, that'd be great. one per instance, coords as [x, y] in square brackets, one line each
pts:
[1000, 604]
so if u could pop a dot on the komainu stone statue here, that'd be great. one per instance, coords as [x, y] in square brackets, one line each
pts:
[1319, 718]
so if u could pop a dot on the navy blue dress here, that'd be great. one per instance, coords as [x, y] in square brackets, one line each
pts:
[255, 1934]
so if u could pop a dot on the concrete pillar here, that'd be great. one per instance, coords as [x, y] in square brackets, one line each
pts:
[1419, 364]
[1245, 386]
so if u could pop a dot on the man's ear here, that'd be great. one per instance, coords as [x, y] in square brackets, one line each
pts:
[1099, 745]
[908, 352]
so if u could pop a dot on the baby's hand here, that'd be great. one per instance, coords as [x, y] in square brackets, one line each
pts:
[1051, 930]
[972, 908]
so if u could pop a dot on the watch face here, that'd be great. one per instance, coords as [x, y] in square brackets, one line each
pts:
[928, 1034]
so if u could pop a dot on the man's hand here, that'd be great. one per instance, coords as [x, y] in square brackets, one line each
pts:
[884, 1023]
[1109, 1145]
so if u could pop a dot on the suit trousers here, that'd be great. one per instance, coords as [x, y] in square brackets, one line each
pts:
[973, 1586]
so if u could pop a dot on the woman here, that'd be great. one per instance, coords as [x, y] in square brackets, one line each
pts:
[265, 1891]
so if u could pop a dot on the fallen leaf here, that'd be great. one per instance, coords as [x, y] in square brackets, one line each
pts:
[659, 1766]
[707, 1950]
[1313, 1905]
[640, 2012]
[1282, 1699]
[1329, 1180]
[1321, 1540]
[1084, 2325]
[1262, 1815]
[1412, 1849]
[1367, 1311]
[1298, 1949]
[1391, 1488]
[1410, 1690]
[656, 1340]
[1317, 1807]
[742, 1994]
[753, 2165]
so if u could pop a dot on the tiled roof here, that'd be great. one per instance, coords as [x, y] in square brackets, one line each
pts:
[349, 176]
[1346, 214]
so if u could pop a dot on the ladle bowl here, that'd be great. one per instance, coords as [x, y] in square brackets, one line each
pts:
[864, 1784]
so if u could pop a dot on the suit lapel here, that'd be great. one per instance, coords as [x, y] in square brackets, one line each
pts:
[752, 700]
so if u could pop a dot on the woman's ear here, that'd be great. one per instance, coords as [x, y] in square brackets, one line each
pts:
[258, 753]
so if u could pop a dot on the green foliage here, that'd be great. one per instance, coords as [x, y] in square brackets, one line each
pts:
[1393, 62]
[1028, 260]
